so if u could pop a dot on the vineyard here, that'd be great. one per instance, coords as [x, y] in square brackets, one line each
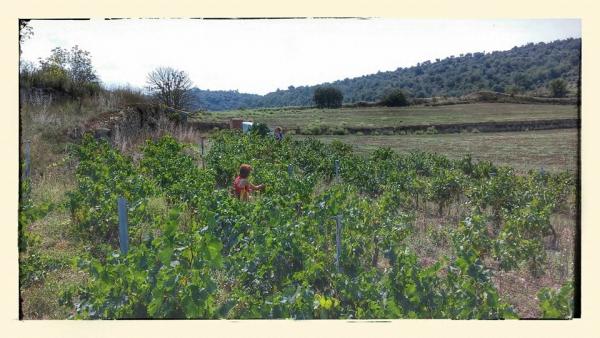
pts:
[331, 237]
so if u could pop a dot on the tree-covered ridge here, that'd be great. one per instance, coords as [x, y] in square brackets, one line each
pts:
[223, 99]
[526, 69]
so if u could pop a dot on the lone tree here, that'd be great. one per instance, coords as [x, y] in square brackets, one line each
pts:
[80, 67]
[328, 97]
[558, 88]
[170, 87]
[395, 98]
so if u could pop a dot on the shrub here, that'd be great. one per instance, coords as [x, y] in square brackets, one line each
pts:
[260, 129]
[557, 304]
[395, 98]
[328, 97]
[512, 90]
[314, 129]
[170, 276]
[558, 88]
[431, 130]
[64, 71]
[339, 131]
[102, 175]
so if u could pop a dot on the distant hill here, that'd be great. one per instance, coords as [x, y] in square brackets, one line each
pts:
[522, 70]
[223, 99]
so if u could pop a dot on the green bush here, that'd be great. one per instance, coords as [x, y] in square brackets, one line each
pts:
[395, 98]
[339, 131]
[328, 97]
[557, 304]
[68, 72]
[558, 88]
[260, 129]
[103, 175]
[314, 129]
[170, 276]
[431, 130]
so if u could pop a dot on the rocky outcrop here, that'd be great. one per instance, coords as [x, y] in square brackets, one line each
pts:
[127, 122]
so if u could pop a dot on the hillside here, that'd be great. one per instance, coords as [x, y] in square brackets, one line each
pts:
[526, 70]
[223, 99]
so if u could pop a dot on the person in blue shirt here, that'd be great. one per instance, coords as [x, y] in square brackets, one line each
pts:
[278, 133]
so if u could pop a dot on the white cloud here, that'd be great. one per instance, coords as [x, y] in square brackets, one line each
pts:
[259, 56]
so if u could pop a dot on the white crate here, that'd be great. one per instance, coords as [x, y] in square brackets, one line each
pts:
[246, 126]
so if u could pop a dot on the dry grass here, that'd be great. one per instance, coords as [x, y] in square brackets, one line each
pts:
[431, 241]
[57, 241]
[131, 144]
[398, 116]
[430, 238]
[41, 300]
[118, 98]
[45, 123]
[554, 150]
[520, 288]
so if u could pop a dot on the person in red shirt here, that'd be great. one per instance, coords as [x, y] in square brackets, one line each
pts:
[242, 187]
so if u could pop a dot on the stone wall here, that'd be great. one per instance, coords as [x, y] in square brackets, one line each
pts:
[125, 123]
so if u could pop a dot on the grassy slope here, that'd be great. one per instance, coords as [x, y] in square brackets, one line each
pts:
[386, 117]
[554, 150]
[45, 124]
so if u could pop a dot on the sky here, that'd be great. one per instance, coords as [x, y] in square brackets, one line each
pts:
[260, 56]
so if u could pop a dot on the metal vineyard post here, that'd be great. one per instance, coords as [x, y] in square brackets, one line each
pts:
[338, 241]
[123, 227]
[27, 159]
[202, 151]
